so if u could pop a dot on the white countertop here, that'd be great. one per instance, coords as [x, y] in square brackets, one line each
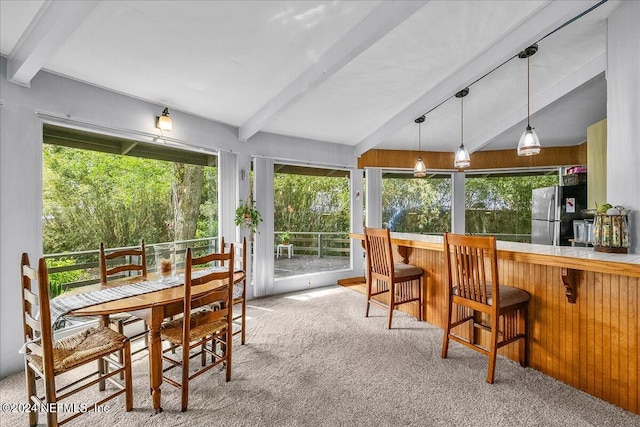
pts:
[565, 251]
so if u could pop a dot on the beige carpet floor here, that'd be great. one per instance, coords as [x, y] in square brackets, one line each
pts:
[313, 359]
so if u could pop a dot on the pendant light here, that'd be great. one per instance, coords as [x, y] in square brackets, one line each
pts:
[462, 159]
[529, 144]
[420, 170]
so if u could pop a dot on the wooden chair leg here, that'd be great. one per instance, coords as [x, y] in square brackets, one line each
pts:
[228, 347]
[102, 369]
[31, 391]
[368, 296]
[392, 302]
[420, 301]
[523, 346]
[50, 398]
[493, 349]
[120, 353]
[203, 354]
[127, 377]
[472, 327]
[243, 320]
[447, 330]
[185, 377]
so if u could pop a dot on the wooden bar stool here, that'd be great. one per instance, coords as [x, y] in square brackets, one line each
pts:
[397, 280]
[473, 285]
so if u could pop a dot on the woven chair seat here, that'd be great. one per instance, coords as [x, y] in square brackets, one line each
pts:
[79, 348]
[172, 330]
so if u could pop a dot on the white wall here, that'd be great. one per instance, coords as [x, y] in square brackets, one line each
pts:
[623, 113]
[21, 166]
[373, 194]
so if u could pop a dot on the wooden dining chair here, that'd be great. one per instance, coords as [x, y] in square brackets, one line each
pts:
[239, 286]
[205, 326]
[46, 359]
[113, 264]
[471, 266]
[402, 283]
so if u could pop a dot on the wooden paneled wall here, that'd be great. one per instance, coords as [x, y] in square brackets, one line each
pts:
[496, 159]
[592, 345]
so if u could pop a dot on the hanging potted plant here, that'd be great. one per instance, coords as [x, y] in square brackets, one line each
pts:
[248, 216]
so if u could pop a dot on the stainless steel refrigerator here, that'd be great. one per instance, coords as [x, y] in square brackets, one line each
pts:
[553, 211]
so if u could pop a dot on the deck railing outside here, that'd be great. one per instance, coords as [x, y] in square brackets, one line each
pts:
[318, 243]
[69, 270]
[76, 269]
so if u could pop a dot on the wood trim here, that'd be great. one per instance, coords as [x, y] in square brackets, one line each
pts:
[495, 159]
[570, 280]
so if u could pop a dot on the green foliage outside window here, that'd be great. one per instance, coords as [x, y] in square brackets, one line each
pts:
[56, 280]
[416, 205]
[89, 197]
[304, 203]
[502, 205]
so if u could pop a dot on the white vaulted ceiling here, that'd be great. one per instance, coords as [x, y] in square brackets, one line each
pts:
[349, 72]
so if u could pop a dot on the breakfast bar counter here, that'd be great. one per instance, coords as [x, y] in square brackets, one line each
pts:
[584, 321]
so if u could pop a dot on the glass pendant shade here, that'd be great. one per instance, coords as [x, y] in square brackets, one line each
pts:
[529, 144]
[462, 159]
[420, 170]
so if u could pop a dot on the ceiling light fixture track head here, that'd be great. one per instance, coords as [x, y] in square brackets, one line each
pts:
[464, 92]
[530, 51]
[419, 120]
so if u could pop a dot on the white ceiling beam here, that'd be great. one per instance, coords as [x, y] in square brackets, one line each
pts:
[384, 18]
[50, 28]
[578, 78]
[526, 32]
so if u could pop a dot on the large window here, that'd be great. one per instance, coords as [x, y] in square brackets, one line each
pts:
[311, 219]
[416, 205]
[94, 193]
[500, 203]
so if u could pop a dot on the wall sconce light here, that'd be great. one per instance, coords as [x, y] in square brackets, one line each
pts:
[164, 121]
[462, 159]
[529, 143]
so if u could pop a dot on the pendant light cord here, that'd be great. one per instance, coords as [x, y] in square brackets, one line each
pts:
[419, 139]
[462, 121]
[528, 95]
[575, 18]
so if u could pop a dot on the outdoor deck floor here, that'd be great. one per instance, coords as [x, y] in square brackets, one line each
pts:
[302, 264]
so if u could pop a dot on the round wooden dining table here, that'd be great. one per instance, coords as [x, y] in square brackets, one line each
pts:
[153, 308]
